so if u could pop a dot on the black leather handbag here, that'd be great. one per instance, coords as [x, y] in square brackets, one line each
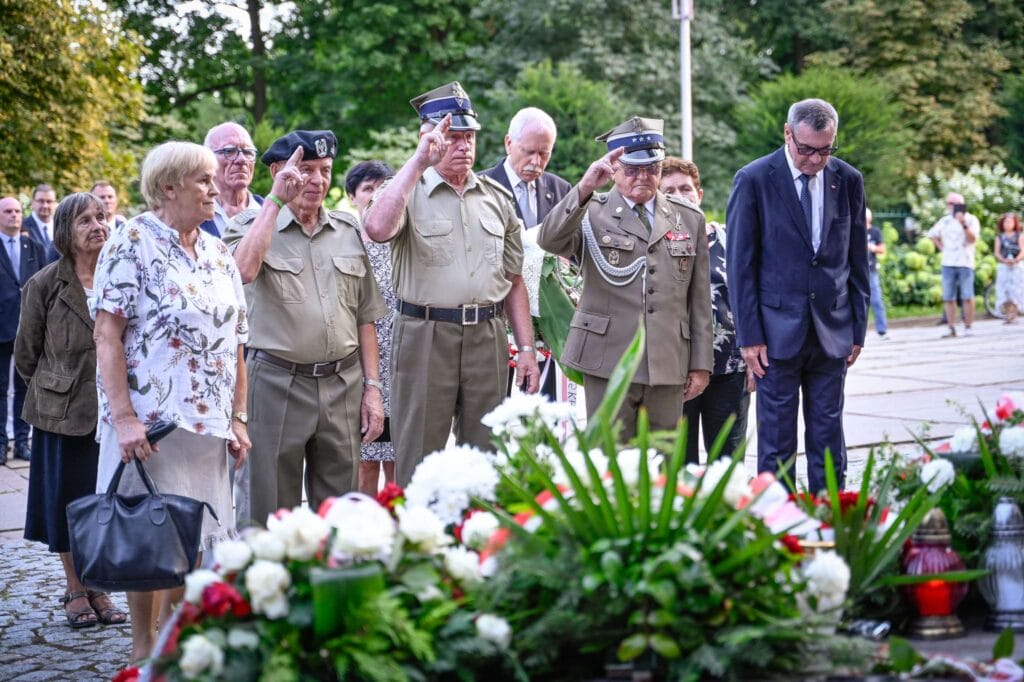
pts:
[135, 543]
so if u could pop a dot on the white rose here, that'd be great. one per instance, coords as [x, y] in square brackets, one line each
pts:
[629, 464]
[965, 439]
[579, 465]
[494, 629]
[937, 474]
[196, 582]
[463, 564]
[446, 481]
[736, 488]
[828, 579]
[1011, 441]
[267, 582]
[231, 556]
[243, 639]
[422, 528]
[199, 655]
[364, 530]
[302, 532]
[266, 545]
[507, 417]
[478, 529]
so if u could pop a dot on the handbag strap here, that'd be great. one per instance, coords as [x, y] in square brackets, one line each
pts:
[143, 474]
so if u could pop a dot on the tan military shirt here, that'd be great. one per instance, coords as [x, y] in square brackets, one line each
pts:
[671, 296]
[312, 292]
[452, 249]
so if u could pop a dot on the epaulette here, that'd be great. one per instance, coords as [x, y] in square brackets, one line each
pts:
[344, 216]
[246, 216]
[496, 185]
[601, 197]
[683, 201]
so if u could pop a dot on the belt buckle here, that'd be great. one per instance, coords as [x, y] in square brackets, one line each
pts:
[476, 314]
[318, 373]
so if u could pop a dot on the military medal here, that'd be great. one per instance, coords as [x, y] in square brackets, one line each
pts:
[613, 257]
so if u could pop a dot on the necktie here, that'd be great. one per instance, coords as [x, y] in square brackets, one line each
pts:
[46, 233]
[805, 204]
[641, 213]
[14, 255]
[529, 216]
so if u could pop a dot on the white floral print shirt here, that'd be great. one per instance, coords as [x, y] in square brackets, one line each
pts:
[186, 319]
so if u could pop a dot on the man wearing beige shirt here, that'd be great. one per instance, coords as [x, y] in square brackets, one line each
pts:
[314, 389]
[457, 254]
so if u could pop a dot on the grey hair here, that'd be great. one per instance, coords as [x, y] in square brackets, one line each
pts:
[64, 219]
[529, 115]
[816, 113]
[227, 125]
[168, 164]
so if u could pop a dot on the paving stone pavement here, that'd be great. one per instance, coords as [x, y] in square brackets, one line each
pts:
[892, 391]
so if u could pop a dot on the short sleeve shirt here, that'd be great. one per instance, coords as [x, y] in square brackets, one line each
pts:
[313, 291]
[454, 249]
[956, 252]
[186, 319]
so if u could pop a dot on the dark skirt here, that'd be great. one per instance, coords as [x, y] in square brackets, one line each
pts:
[63, 469]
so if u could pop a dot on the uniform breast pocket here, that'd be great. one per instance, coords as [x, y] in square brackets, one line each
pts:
[284, 278]
[683, 253]
[436, 238]
[617, 249]
[349, 272]
[494, 234]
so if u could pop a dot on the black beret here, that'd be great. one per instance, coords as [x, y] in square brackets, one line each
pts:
[316, 144]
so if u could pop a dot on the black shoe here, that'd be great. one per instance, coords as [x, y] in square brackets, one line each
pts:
[23, 451]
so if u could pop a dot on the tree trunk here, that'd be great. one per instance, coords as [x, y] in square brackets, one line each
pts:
[259, 52]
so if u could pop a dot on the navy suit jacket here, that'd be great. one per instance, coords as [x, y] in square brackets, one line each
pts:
[778, 285]
[550, 190]
[210, 226]
[35, 231]
[33, 258]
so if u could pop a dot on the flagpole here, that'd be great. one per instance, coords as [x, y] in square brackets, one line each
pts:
[682, 10]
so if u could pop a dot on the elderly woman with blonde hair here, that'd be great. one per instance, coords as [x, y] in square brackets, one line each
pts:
[170, 325]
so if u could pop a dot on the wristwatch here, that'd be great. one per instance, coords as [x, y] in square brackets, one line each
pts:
[242, 417]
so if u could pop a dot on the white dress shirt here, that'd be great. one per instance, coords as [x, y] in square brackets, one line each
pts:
[816, 185]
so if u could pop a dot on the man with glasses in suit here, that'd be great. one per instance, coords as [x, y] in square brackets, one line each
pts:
[236, 160]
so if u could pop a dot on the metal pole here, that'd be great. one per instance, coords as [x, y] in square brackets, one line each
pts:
[683, 11]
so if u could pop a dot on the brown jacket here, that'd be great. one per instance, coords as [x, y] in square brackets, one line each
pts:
[55, 354]
[673, 300]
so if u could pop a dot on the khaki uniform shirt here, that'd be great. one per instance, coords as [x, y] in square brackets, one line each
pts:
[671, 297]
[450, 249]
[312, 292]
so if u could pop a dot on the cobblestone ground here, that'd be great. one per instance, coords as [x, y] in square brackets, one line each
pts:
[36, 642]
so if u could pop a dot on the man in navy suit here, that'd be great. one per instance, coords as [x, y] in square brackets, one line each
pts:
[20, 258]
[236, 160]
[39, 224]
[798, 283]
[528, 144]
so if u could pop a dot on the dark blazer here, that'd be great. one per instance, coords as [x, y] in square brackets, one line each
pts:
[35, 231]
[55, 354]
[210, 226]
[33, 258]
[550, 190]
[778, 285]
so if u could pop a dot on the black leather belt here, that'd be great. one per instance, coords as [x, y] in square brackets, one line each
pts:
[311, 369]
[466, 314]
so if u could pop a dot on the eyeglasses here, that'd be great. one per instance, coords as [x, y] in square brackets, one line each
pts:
[804, 150]
[649, 170]
[231, 153]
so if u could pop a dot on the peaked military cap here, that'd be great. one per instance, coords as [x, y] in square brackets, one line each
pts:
[642, 138]
[316, 144]
[448, 99]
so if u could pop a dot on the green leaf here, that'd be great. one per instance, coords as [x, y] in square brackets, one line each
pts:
[903, 656]
[618, 383]
[949, 577]
[664, 646]
[632, 647]
[1003, 648]
[556, 311]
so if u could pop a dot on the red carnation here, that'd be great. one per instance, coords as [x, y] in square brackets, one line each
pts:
[219, 599]
[390, 496]
[127, 675]
[792, 544]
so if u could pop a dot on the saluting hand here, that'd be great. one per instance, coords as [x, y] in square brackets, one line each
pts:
[600, 172]
[289, 181]
[433, 145]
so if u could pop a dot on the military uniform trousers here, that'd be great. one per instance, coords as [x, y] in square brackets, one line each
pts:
[664, 404]
[296, 419]
[440, 372]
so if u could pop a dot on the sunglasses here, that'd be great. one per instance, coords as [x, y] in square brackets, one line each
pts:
[648, 170]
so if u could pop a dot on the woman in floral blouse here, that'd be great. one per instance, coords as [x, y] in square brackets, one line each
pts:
[170, 323]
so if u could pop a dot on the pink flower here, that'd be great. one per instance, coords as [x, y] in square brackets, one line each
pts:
[1005, 407]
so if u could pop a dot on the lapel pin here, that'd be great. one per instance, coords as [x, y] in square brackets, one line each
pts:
[618, 210]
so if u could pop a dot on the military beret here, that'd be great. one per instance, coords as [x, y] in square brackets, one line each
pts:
[448, 99]
[316, 144]
[642, 138]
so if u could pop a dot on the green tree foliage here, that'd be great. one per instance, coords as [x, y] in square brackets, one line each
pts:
[1010, 128]
[787, 31]
[869, 133]
[69, 104]
[944, 77]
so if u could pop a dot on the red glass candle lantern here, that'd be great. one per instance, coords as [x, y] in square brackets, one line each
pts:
[936, 600]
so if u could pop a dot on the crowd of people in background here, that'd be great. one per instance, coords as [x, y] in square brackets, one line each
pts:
[305, 352]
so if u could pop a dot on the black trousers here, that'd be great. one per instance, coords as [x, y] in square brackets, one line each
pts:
[21, 427]
[726, 394]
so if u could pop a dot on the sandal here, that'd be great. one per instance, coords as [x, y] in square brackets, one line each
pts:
[107, 613]
[83, 618]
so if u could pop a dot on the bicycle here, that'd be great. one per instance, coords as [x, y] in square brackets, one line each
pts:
[990, 302]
